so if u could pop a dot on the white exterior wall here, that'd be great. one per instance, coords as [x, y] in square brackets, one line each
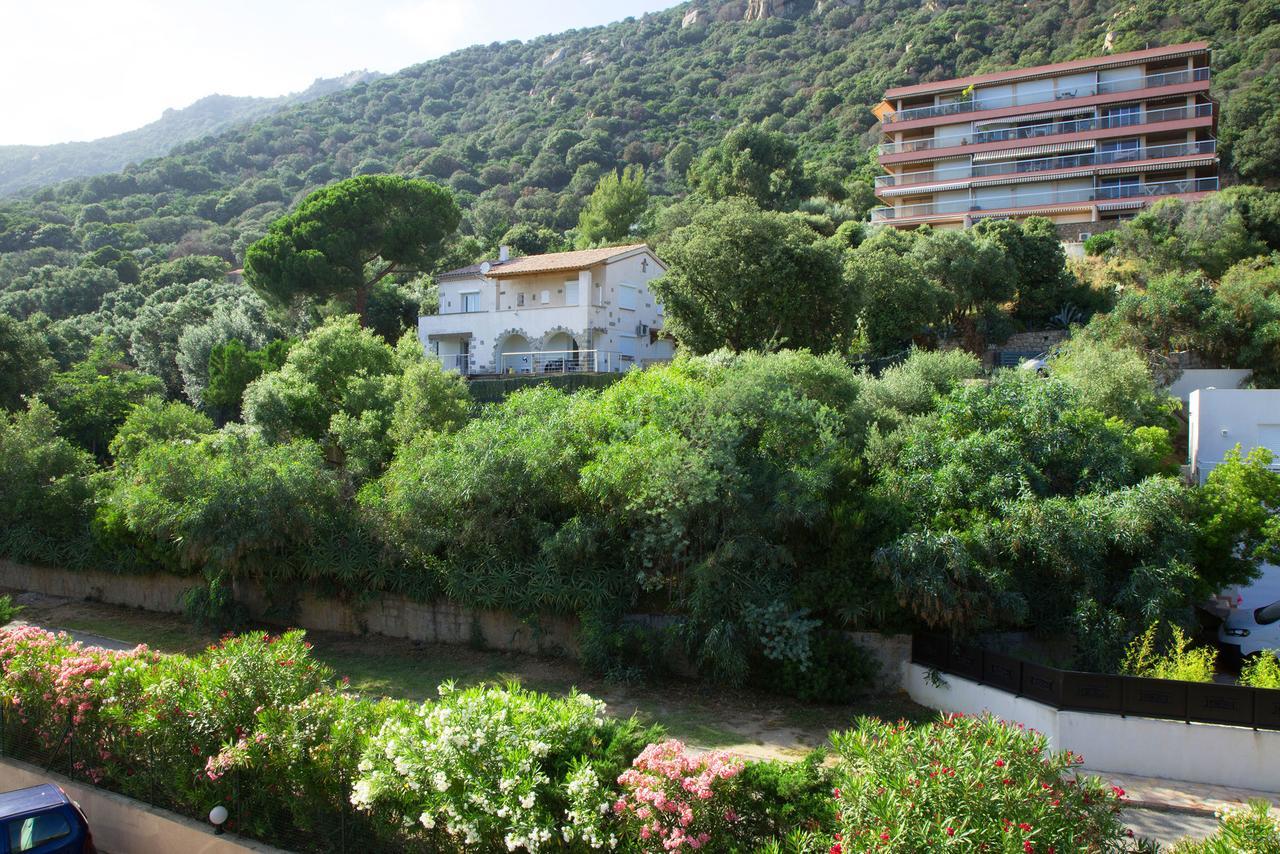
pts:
[597, 322]
[1193, 378]
[1221, 418]
[1148, 747]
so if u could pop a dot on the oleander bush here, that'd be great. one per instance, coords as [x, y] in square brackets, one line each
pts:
[674, 798]
[256, 723]
[972, 783]
[499, 768]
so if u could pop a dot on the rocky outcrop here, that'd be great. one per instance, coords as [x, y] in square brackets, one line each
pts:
[554, 57]
[758, 10]
[693, 18]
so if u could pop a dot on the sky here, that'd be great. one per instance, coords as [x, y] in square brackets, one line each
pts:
[83, 69]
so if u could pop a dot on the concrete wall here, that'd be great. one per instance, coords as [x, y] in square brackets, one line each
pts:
[1199, 753]
[389, 615]
[1221, 418]
[122, 825]
[1193, 378]
[892, 652]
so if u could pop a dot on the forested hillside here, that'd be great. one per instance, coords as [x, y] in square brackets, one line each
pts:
[23, 167]
[521, 132]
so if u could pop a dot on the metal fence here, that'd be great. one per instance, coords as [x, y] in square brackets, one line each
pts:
[1069, 690]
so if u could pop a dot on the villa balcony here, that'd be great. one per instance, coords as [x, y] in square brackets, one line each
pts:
[1049, 164]
[1048, 197]
[977, 103]
[1048, 129]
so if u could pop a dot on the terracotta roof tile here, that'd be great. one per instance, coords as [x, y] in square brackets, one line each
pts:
[557, 261]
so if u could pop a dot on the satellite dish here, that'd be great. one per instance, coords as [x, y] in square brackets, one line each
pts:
[485, 267]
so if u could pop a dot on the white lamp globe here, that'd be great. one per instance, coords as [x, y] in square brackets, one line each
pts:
[218, 815]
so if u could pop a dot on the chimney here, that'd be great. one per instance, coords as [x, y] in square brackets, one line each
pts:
[504, 253]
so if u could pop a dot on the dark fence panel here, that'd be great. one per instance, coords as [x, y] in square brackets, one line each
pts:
[1002, 671]
[1220, 704]
[1091, 692]
[1266, 709]
[1193, 702]
[1154, 698]
[966, 661]
[1042, 684]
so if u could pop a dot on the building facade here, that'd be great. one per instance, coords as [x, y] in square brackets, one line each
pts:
[1088, 141]
[564, 312]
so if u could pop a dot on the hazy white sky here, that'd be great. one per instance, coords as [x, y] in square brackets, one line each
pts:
[82, 69]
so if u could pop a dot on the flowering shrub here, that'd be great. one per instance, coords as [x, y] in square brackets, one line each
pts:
[171, 729]
[1240, 829]
[673, 798]
[971, 784]
[494, 768]
[64, 696]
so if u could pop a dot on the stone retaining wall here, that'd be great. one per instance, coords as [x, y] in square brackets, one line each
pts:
[386, 614]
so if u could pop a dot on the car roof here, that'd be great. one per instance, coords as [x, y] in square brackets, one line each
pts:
[35, 798]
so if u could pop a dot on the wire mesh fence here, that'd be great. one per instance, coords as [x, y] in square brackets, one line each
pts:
[301, 821]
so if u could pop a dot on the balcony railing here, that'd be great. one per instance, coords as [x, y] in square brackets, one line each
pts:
[564, 362]
[1107, 87]
[1048, 197]
[1047, 164]
[460, 362]
[1122, 120]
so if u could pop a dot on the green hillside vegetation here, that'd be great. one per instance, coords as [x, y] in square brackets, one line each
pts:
[522, 132]
[767, 489]
[27, 167]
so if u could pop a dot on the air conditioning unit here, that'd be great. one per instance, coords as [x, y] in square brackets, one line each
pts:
[642, 329]
[1085, 235]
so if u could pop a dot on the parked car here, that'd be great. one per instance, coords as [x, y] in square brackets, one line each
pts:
[43, 820]
[1247, 631]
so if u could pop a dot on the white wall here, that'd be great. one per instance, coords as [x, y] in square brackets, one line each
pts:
[1198, 753]
[122, 825]
[1194, 378]
[1221, 418]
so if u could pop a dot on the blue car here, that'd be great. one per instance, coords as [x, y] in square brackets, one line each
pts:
[42, 820]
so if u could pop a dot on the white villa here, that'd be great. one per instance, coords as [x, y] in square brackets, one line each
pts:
[589, 310]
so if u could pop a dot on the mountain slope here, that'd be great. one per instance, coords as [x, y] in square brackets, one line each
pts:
[522, 130]
[26, 166]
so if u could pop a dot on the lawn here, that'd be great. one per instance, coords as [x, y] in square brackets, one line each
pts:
[747, 722]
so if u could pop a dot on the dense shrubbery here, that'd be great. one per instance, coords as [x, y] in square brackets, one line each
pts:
[255, 723]
[763, 502]
[976, 783]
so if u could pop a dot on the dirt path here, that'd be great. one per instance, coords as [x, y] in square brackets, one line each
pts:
[751, 724]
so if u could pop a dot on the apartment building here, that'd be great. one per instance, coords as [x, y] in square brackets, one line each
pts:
[1088, 141]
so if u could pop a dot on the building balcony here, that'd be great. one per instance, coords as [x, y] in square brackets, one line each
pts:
[977, 103]
[1047, 164]
[1050, 129]
[959, 207]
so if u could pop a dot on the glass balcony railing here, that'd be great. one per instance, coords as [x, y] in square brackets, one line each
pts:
[1104, 87]
[1048, 164]
[1119, 190]
[1126, 119]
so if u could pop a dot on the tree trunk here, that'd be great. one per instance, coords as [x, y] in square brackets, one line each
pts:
[362, 301]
